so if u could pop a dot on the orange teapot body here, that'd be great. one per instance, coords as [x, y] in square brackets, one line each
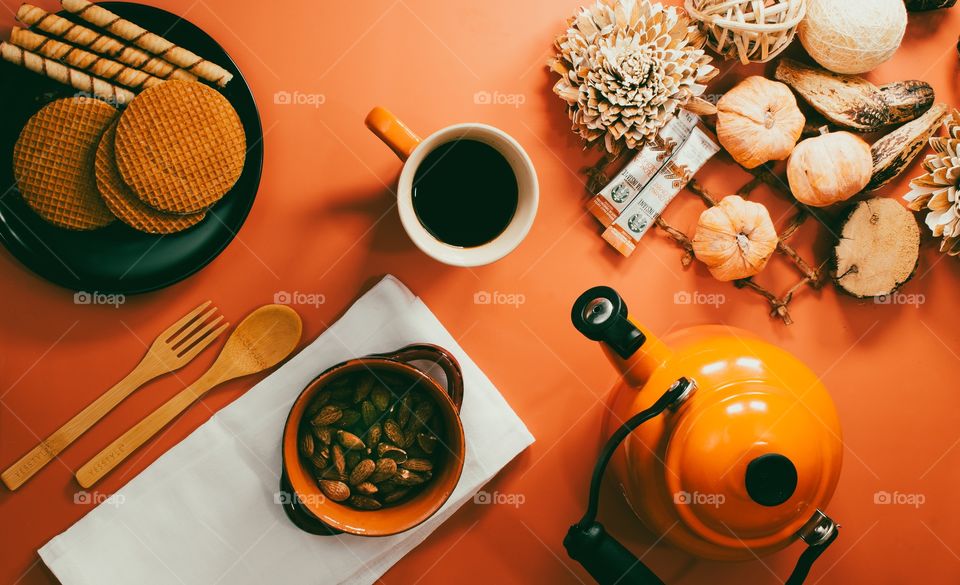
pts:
[739, 449]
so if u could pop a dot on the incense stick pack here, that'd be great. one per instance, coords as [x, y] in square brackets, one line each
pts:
[607, 205]
[646, 207]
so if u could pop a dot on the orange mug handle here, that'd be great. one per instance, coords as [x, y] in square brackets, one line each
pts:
[392, 131]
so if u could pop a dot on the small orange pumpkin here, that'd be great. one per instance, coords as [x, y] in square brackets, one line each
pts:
[735, 239]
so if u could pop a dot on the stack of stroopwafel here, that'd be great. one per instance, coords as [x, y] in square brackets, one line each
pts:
[177, 149]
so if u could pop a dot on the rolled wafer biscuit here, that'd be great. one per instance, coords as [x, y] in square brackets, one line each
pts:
[83, 60]
[82, 36]
[139, 36]
[67, 75]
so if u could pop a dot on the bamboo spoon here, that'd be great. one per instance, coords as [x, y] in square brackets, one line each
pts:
[263, 339]
[171, 350]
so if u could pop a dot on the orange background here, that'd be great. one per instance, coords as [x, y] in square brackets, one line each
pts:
[323, 223]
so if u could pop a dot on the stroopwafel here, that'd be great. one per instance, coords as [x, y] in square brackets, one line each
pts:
[53, 162]
[180, 146]
[124, 204]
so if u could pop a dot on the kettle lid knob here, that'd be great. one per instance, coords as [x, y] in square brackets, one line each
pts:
[771, 479]
[600, 314]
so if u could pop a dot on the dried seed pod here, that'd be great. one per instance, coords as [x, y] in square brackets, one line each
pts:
[380, 397]
[362, 471]
[907, 100]
[338, 461]
[365, 503]
[391, 452]
[895, 151]
[369, 413]
[335, 490]
[395, 495]
[366, 488]
[364, 385]
[374, 435]
[392, 430]
[407, 478]
[427, 442]
[384, 469]
[417, 465]
[350, 417]
[306, 444]
[323, 434]
[327, 416]
[350, 441]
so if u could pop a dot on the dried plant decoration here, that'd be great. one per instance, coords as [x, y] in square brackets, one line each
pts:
[626, 67]
[938, 191]
[748, 30]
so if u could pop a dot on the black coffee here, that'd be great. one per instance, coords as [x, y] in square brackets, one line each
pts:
[465, 193]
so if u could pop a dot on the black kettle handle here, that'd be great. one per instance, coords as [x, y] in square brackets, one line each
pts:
[611, 563]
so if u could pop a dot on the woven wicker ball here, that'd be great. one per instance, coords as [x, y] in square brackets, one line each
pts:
[749, 30]
[853, 36]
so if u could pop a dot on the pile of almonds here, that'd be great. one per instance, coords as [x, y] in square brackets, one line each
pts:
[371, 439]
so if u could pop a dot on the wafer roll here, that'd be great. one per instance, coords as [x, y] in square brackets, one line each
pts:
[146, 40]
[82, 36]
[77, 58]
[67, 75]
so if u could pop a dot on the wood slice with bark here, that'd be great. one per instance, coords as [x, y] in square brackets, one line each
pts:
[878, 249]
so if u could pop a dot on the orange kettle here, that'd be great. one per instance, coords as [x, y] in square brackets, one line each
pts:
[731, 446]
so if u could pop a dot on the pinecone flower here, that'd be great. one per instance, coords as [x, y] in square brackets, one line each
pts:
[938, 191]
[626, 67]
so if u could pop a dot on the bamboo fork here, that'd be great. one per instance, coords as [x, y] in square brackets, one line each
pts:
[171, 350]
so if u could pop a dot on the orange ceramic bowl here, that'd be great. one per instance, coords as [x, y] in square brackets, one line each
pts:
[308, 507]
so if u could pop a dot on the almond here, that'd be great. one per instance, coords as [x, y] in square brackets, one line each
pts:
[306, 444]
[350, 441]
[381, 398]
[335, 490]
[427, 442]
[385, 469]
[405, 410]
[374, 434]
[365, 503]
[369, 413]
[362, 471]
[405, 477]
[391, 452]
[323, 434]
[396, 495]
[364, 385]
[338, 461]
[366, 488]
[318, 402]
[392, 430]
[417, 465]
[328, 415]
[350, 417]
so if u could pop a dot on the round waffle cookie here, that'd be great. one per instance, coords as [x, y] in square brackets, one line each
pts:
[124, 204]
[53, 162]
[180, 146]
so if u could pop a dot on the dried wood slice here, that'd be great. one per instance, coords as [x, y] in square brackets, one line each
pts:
[849, 101]
[878, 249]
[907, 100]
[895, 151]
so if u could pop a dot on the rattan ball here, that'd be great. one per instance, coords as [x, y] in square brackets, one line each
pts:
[749, 30]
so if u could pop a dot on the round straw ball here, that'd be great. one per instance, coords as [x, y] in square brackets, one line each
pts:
[853, 36]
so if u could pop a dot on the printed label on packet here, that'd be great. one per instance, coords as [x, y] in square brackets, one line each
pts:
[607, 205]
[643, 211]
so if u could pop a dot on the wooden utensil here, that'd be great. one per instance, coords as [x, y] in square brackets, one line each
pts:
[263, 339]
[171, 350]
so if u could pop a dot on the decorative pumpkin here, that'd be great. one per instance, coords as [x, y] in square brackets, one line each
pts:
[759, 121]
[735, 239]
[829, 168]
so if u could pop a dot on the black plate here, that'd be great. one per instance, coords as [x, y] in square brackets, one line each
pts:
[118, 259]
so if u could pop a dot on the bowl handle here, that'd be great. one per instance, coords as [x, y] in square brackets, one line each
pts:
[439, 356]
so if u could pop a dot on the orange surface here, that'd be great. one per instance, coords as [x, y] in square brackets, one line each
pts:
[323, 224]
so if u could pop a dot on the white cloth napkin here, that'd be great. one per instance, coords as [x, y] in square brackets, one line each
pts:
[204, 512]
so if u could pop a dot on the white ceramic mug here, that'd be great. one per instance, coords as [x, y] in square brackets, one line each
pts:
[412, 150]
